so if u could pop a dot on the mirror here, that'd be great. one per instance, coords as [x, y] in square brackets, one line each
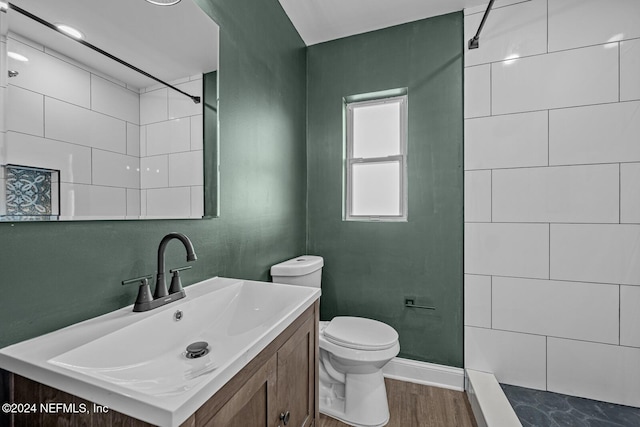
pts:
[84, 136]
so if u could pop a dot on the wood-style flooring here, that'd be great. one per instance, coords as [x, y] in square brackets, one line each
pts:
[415, 405]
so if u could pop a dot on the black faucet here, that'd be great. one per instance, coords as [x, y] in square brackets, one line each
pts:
[160, 297]
[161, 284]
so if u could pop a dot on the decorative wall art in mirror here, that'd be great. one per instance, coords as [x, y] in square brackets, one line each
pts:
[83, 135]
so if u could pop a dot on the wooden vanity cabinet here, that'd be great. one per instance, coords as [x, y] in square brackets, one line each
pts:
[280, 383]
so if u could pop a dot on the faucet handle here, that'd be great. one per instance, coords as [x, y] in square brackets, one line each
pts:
[176, 283]
[144, 293]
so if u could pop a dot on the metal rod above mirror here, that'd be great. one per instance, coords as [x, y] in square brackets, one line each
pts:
[123, 145]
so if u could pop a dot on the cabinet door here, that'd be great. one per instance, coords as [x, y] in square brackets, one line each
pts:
[253, 404]
[296, 378]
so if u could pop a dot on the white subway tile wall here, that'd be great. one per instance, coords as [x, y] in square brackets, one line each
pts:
[514, 358]
[68, 117]
[552, 196]
[477, 301]
[477, 196]
[594, 370]
[629, 316]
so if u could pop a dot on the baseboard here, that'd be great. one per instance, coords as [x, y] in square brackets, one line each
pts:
[489, 404]
[425, 373]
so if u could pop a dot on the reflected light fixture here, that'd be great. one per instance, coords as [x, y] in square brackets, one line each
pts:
[164, 2]
[70, 31]
[17, 56]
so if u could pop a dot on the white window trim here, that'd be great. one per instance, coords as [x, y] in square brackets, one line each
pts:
[400, 158]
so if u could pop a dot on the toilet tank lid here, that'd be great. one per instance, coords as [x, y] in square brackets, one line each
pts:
[299, 266]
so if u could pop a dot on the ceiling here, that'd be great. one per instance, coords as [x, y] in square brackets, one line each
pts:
[168, 42]
[318, 21]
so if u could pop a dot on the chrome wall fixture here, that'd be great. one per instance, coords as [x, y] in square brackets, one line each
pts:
[195, 99]
[164, 2]
[474, 42]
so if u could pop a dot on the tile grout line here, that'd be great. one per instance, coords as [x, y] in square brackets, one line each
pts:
[613, 162]
[557, 337]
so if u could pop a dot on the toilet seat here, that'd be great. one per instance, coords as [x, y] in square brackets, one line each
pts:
[359, 333]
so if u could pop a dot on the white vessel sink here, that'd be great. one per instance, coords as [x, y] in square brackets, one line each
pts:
[136, 363]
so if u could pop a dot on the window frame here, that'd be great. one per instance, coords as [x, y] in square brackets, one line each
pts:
[400, 158]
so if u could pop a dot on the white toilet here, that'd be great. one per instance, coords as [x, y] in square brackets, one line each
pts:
[353, 351]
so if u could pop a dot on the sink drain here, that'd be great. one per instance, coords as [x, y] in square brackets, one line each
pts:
[197, 349]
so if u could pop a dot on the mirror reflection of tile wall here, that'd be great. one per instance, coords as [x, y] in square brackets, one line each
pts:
[121, 152]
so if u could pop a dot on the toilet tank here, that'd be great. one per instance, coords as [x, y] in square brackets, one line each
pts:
[305, 270]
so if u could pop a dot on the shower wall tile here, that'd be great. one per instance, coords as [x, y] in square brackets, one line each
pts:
[526, 24]
[133, 203]
[180, 105]
[70, 123]
[197, 132]
[171, 136]
[49, 76]
[509, 141]
[154, 172]
[143, 203]
[514, 358]
[154, 106]
[92, 201]
[519, 250]
[133, 140]
[550, 81]
[186, 169]
[197, 201]
[603, 253]
[582, 311]
[73, 161]
[594, 371]
[630, 316]
[3, 100]
[114, 100]
[629, 70]
[477, 196]
[583, 194]
[560, 140]
[26, 114]
[115, 170]
[595, 134]
[477, 301]
[477, 91]
[143, 141]
[577, 23]
[169, 202]
[630, 193]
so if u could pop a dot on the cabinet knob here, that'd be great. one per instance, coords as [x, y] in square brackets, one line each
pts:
[284, 416]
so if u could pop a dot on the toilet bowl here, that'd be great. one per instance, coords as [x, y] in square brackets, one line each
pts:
[353, 351]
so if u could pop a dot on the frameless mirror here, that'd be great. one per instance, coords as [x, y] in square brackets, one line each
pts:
[87, 137]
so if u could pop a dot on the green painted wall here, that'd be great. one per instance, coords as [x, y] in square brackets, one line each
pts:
[371, 267]
[56, 274]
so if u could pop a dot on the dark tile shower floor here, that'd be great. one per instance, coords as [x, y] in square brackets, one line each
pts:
[537, 408]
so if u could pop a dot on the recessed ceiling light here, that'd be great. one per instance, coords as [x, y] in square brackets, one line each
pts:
[70, 31]
[17, 56]
[164, 2]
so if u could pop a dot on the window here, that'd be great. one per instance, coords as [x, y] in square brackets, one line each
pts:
[376, 159]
